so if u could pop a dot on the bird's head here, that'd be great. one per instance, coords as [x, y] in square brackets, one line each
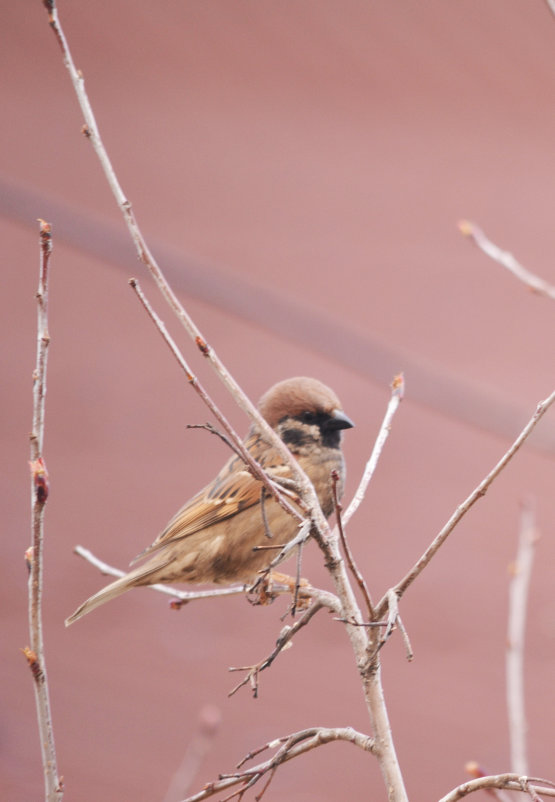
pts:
[304, 411]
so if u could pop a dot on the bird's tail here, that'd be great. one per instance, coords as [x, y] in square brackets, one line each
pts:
[140, 576]
[109, 592]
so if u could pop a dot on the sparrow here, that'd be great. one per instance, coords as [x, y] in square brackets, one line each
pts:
[214, 537]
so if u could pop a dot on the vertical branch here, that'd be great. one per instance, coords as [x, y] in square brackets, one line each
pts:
[518, 597]
[383, 737]
[347, 551]
[397, 393]
[43, 340]
[39, 495]
[365, 645]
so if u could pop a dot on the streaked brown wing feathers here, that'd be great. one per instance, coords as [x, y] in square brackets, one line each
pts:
[234, 489]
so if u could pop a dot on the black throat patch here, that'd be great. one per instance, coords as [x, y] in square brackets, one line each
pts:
[297, 432]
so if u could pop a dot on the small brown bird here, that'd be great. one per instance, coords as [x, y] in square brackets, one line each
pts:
[213, 537]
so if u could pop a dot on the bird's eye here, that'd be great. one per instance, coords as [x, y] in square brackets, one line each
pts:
[308, 417]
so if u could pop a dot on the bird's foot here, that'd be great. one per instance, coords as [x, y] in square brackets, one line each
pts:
[273, 584]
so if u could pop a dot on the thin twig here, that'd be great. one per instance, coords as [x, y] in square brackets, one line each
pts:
[551, 5]
[347, 551]
[297, 580]
[34, 653]
[476, 494]
[406, 640]
[529, 789]
[512, 782]
[300, 538]
[212, 429]
[237, 443]
[288, 747]
[518, 598]
[397, 393]
[393, 620]
[392, 615]
[285, 637]
[369, 624]
[506, 259]
[267, 530]
[180, 597]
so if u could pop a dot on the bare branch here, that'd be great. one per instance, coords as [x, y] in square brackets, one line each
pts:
[347, 551]
[321, 599]
[267, 530]
[284, 550]
[298, 580]
[506, 259]
[459, 513]
[518, 598]
[475, 770]
[393, 619]
[288, 747]
[180, 597]
[512, 782]
[212, 430]
[39, 495]
[284, 640]
[529, 789]
[551, 5]
[406, 640]
[237, 443]
[397, 393]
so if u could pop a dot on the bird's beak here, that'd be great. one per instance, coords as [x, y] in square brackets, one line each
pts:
[338, 420]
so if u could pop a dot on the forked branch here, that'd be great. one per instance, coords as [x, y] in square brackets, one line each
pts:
[397, 395]
[533, 786]
[288, 747]
[347, 551]
[284, 640]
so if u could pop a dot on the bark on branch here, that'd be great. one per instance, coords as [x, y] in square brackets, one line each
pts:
[34, 653]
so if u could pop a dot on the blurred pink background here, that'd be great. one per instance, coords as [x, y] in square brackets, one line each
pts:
[299, 168]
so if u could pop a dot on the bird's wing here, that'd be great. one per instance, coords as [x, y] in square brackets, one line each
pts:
[234, 489]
